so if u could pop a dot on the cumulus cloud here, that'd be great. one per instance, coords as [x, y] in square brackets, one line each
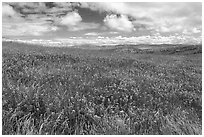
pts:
[35, 19]
[74, 22]
[57, 13]
[160, 22]
[7, 10]
[9, 13]
[71, 19]
[158, 17]
[119, 23]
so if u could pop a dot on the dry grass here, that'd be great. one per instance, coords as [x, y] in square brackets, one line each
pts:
[64, 91]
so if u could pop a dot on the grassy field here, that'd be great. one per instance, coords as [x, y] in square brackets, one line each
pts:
[108, 90]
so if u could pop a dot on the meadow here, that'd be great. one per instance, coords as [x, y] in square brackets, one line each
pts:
[113, 90]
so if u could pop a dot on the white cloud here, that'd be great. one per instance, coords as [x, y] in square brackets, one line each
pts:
[71, 19]
[29, 28]
[100, 37]
[113, 32]
[15, 25]
[159, 17]
[9, 14]
[119, 23]
[104, 6]
[7, 10]
[63, 4]
[157, 39]
[191, 31]
[44, 23]
[196, 30]
[183, 20]
[91, 34]
[83, 26]
[39, 7]
[98, 41]
[74, 22]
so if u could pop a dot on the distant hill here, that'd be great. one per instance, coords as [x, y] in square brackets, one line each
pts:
[134, 49]
[160, 49]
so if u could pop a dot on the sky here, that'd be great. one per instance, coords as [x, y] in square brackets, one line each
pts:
[103, 23]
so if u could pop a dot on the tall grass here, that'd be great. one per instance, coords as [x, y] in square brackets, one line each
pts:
[55, 93]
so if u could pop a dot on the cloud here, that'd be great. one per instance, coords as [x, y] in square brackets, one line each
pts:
[196, 30]
[29, 28]
[38, 18]
[74, 22]
[8, 13]
[157, 39]
[192, 31]
[100, 37]
[83, 26]
[41, 7]
[104, 6]
[99, 40]
[119, 23]
[14, 24]
[182, 20]
[71, 19]
[113, 32]
[91, 34]
[154, 16]
[7, 10]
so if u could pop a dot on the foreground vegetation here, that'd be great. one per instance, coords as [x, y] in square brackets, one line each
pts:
[101, 91]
